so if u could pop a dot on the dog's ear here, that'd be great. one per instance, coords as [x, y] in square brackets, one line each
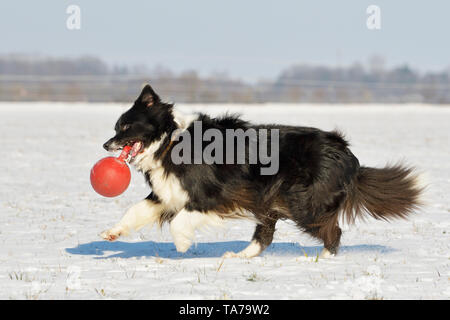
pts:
[148, 96]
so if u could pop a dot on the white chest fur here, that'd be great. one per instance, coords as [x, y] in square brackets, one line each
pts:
[168, 188]
[165, 185]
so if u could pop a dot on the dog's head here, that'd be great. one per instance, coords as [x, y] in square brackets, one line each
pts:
[144, 123]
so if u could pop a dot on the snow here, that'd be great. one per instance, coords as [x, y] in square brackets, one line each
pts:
[50, 217]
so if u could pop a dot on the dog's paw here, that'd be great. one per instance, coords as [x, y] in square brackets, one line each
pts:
[182, 244]
[231, 254]
[253, 250]
[326, 254]
[111, 235]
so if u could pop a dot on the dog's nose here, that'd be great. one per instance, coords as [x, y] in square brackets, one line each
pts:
[106, 145]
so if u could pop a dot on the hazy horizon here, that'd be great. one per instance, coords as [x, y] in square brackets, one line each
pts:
[249, 40]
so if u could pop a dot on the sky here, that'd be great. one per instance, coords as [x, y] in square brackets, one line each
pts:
[247, 39]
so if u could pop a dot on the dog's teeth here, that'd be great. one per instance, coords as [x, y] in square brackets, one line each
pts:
[135, 148]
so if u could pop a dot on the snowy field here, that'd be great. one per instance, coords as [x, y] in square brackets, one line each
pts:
[50, 217]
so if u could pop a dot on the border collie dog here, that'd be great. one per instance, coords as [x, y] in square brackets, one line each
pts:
[318, 180]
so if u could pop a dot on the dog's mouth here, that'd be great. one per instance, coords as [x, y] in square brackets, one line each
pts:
[136, 148]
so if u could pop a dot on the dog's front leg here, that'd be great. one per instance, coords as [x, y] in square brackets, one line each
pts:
[182, 228]
[184, 224]
[143, 213]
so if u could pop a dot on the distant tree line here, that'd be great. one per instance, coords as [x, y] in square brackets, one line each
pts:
[90, 79]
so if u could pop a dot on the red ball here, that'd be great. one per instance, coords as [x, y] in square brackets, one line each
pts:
[110, 176]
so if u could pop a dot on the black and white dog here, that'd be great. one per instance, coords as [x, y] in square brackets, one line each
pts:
[318, 180]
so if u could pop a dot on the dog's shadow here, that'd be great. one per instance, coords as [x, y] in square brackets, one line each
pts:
[119, 249]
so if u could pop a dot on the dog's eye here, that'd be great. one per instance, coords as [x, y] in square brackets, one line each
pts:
[126, 127]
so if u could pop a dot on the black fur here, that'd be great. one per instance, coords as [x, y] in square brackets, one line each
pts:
[318, 178]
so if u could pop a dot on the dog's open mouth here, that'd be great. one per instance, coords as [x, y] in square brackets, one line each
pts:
[136, 148]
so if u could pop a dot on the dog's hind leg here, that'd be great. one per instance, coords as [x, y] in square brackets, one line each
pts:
[145, 212]
[327, 229]
[262, 238]
[331, 242]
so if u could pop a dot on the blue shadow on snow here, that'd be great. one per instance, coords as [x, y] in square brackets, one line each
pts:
[121, 249]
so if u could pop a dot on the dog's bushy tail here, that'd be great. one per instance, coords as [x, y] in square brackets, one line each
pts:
[387, 193]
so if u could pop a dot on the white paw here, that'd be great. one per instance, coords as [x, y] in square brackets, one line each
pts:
[111, 234]
[230, 254]
[242, 255]
[325, 254]
[253, 250]
[182, 244]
